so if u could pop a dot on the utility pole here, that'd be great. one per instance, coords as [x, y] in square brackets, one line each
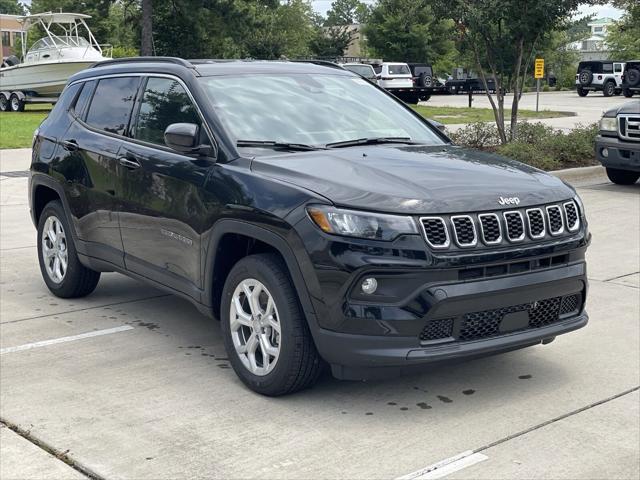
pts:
[146, 40]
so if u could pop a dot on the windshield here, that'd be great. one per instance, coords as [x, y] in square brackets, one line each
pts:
[310, 109]
[364, 70]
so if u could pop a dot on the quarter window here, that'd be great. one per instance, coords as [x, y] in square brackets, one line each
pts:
[83, 98]
[110, 109]
[164, 102]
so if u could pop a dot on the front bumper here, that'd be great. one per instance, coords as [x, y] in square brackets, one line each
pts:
[624, 155]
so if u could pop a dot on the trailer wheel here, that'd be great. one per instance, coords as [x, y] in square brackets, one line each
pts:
[16, 103]
[4, 102]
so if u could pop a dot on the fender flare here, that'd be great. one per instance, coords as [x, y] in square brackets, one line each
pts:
[19, 94]
[226, 226]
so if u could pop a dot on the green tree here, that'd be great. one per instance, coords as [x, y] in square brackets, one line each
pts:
[346, 12]
[12, 7]
[623, 38]
[408, 31]
[503, 37]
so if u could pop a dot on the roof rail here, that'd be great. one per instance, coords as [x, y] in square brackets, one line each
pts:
[116, 61]
[324, 63]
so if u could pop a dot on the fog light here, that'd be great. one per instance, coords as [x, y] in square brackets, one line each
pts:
[369, 285]
[605, 152]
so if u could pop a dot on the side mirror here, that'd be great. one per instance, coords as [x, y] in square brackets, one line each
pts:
[182, 137]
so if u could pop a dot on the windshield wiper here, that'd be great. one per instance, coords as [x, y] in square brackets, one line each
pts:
[370, 141]
[278, 145]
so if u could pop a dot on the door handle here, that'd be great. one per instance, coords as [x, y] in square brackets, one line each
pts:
[129, 163]
[70, 145]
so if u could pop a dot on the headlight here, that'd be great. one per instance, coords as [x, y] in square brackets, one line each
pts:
[351, 223]
[609, 124]
[580, 205]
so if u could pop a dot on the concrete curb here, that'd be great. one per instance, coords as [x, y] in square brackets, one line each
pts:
[581, 174]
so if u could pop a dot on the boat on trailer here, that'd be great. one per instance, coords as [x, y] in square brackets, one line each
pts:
[68, 47]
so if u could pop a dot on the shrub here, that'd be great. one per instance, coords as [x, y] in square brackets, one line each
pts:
[545, 88]
[536, 144]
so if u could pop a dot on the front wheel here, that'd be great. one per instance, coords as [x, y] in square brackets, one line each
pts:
[16, 103]
[622, 177]
[61, 269]
[266, 335]
[609, 89]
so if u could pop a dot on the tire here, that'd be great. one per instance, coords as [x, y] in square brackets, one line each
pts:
[627, 92]
[297, 365]
[622, 177]
[16, 104]
[632, 77]
[76, 280]
[4, 103]
[582, 92]
[609, 88]
[424, 80]
[585, 77]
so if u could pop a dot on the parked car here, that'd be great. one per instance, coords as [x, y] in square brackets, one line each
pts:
[631, 78]
[422, 74]
[618, 143]
[599, 75]
[364, 70]
[394, 75]
[321, 220]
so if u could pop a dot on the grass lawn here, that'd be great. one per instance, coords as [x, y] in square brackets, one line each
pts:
[451, 115]
[16, 129]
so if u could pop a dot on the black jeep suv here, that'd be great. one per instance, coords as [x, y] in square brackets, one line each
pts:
[631, 78]
[320, 219]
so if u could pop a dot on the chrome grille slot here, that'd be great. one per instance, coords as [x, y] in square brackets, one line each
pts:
[571, 214]
[464, 231]
[435, 231]
[629, 126]
[556, 225]
[490, 228]
[515, 225]
[535, 221]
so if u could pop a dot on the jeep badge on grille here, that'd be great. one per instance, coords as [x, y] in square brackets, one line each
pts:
[509, 201]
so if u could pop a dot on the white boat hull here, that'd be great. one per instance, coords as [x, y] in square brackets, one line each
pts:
[43, 79]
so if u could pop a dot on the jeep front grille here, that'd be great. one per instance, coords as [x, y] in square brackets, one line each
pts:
[494, 229]
[629, 127]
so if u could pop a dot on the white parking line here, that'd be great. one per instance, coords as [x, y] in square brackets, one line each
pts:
[72, 338]
[446, 466]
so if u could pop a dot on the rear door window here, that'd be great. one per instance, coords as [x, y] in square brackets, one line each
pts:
[399, 70]
[163, 102]
[112, 102]
[84, 97]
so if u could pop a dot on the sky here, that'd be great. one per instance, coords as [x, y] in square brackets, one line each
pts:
[321, 6]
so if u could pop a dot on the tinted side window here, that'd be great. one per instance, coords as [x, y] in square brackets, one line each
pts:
[607, 67]
[112, 102]
[164, 102]
[83, 98]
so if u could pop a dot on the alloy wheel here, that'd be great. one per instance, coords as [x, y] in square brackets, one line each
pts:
[54, 249]
[255, 327]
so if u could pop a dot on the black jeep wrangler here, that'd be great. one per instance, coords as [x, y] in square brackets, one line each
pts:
[618, 143]
[318, 218]
[599, 75]
[631, 78]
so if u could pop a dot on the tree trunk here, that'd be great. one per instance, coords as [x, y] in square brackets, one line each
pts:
[146, 40]
[516, 93]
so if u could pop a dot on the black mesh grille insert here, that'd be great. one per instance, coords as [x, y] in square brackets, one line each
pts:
[515, 227]
[536, 223]
[465, 233]
[437, 329]
[490, 228]
[572, 215]
[544, 312]
[570, 304]
[555, 219]
[435, 231]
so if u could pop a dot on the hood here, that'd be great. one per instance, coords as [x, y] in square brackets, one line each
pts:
[628, 107]
[414, 179]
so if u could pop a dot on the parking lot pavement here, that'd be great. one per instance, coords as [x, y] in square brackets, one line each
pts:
[587, 110]
[133, 383]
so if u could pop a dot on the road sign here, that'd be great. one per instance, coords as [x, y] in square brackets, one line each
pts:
[539, 68]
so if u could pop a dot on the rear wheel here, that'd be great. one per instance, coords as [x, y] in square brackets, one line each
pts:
[61, 269]
[609, 88]
[582, 92]
[622, 177]
[4, 103]
[265, 333]
[627, 92]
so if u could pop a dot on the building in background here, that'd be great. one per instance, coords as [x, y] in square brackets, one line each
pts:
[594, 47]
[10, 30]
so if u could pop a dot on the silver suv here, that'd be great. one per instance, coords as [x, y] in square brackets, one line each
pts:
[599, 75]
